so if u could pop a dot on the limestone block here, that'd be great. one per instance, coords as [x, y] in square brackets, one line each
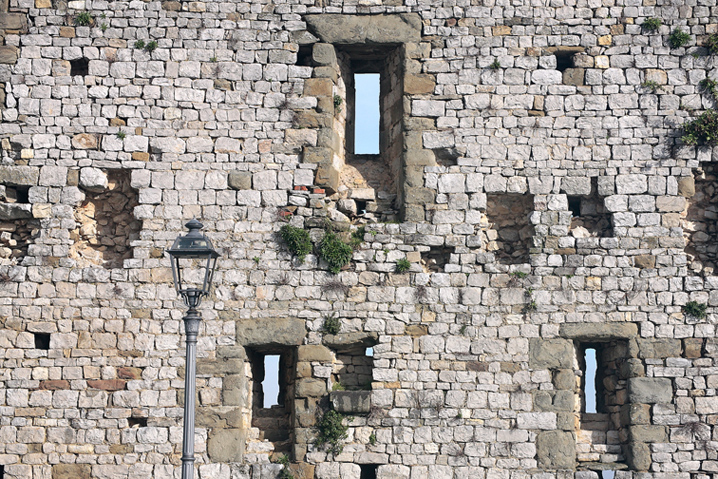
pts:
[355, 29]
[71, 471]
[639, 456]
[574, 185]
[650, 390]
[598, 331]
[550, 353]
[556, 450]
[93, 179]
[19, 175]
[241, 180]
[351, 402]
[393, 471]
[270, 331]
[53, 176]
[226, 445]
[659, 348]
[167, 145]
[428, 108]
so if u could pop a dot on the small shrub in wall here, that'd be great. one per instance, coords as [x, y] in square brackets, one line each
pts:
[678, 38]
[702, 131]
[332, 432]
[335, 252]
[297, 240]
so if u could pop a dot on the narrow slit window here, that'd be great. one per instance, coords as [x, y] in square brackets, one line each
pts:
[574, 205]
[367, 116]
[591, 390]
[369, 352]
[42, 341]
[270, 385]
[607, 474]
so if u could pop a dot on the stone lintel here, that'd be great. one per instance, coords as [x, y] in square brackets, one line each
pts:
[599, 331]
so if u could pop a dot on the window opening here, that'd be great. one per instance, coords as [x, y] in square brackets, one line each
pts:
[42, 341]
[574, 205]
[137, 421]
[366, 114]
[270, 385]
[79, 67]
[435, 259]
[368, 471]
[590, 377]
[352, 368]
[273, 373]
[17, 194]
[304, 56]
[369, 352]
[607, 474]
[564, 60]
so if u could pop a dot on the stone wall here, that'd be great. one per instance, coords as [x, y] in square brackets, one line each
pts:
[544, 202]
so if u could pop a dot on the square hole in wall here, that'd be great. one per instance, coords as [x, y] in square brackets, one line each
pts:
[42, 341]
[508, 232]
[589, 217]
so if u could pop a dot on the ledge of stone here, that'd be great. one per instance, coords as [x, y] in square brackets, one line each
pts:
[351, 402]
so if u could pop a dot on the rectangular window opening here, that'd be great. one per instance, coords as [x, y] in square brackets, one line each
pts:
[2, 472]
[368, 471]
[366, 113]
[273, 374]
[574, 205]
[270, 385]
[592, 383]
[42, 341]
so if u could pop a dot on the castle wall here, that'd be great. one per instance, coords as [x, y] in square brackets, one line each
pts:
[545, 203]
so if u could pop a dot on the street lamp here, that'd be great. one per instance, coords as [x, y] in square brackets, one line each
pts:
[193, 246]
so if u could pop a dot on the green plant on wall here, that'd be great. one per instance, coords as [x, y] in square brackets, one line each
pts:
[332, 432]
[403, 265]
[285, 473]
[702, 131]
[338, 103]
[297, 240]
[335, 252]
[495, 65]
[695, 309]
[710, 86]
[151, 46]
[332, 324]
[652, 24]
[678, 38]
[712, 44]
[83, 19]
[140, 44]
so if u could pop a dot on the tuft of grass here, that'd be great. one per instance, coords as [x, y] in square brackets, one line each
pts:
[335, 252]
[121, 135]
[335, 285]
[297, 240]
[495, 65]
[372, 439]
[403, 265]
[332, 324]
[358, 236]
[151, 46]
[140, 44]
[652, 24]
[103, 27]
[712, 44]
[651, 85]
[83, 19]
[678, 38]
[338, 103]
[711, 86]
[695, 309]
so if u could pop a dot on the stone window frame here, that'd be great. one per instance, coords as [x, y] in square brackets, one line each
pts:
[399, 31]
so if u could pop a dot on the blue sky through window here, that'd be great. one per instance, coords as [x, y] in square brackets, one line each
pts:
[366, 131]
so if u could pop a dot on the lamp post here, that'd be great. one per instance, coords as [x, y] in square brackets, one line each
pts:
[193, 246]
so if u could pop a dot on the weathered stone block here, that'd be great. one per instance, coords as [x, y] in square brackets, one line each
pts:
[15, 211]
[649, 434]
[556, 450]
[19, 175]
[311, 387]
[226, 445]
[650, 390]
[240, 180]
[550, 353]
[314, 352]
[639, 456]
[71, 471]
[356, 30]
[659, 348]
[269, 331]
[351, 402]
[598, 331]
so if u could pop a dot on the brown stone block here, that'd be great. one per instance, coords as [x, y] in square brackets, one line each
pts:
[417, 330]
[13, 21]
[67, 32]
[140, 156]
[617, 29]
[501, 30]
[419, 84]
[54, 384]
[84, 141]
[302, 470]
[318, 87]
[556, 450]
[687, 186]
[573, 76]
[129, 373]
[117, 122]
[605, 41]
[692, 348]
[226, 445]
[71, 471]
[121, 449]
[172, 6]
[645, 261]
[8, 55]
[43, 4]
[108, 384]
[413, 213]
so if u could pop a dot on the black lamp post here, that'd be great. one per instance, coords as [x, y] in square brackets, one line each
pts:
[193, 246]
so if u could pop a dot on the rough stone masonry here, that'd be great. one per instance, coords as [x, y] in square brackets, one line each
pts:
[532, 205]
